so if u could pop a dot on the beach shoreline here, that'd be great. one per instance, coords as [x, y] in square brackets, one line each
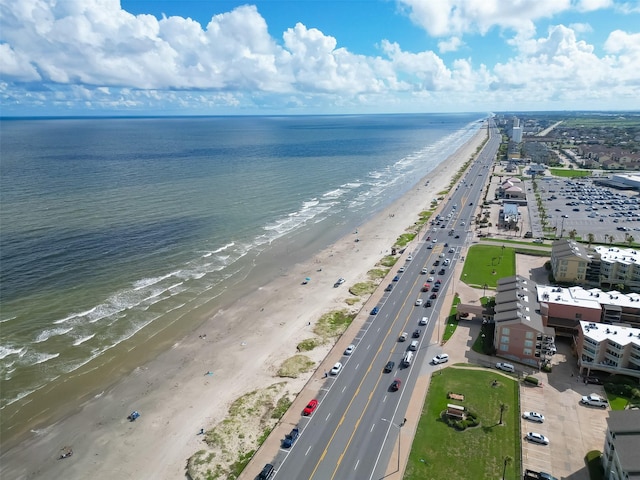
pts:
[191, 385]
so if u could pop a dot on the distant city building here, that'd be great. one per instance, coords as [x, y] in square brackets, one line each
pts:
[620, 459]
[536, 169]
[516, 134]
[613, 349]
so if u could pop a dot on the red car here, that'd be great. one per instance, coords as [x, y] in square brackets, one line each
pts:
[308, 410]
[395, 386]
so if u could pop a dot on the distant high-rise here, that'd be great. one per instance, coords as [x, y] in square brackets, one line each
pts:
[516, 134]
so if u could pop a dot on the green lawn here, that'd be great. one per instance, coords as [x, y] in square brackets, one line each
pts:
[561, 172]
[439, 451]
[485, 264]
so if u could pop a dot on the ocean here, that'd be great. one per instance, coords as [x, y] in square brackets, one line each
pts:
[119, 235]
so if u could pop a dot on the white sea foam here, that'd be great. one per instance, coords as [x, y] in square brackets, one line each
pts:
[337, 193]
[74, 315]
[47, 334]
[6, 351]
[2, 320]
[81, 340]
[44, 357]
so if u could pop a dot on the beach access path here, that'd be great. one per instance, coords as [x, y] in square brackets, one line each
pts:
[236, 351]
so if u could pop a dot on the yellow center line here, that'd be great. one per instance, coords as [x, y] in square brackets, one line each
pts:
[324, 453]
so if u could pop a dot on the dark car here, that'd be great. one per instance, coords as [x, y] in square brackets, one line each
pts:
[389, 367]
[432, 271]
[375, 311]
[593, 380]
[441, 272]
[457, 236]
[433, 296]
[291, 438]
[436, 288]
[436, 263]
[416, 333]
[396, 278]
[428, 304]
[395, 386]
[389, 287]
[267, 472]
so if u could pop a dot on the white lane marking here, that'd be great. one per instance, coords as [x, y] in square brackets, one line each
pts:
[308, 450]
[356, 466]
[327, 417]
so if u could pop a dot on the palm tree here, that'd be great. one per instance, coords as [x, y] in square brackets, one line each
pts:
[611, 239]
[503, 407]
[590, 237]
[507, 461]
[630, 240]
[572, 234]
[606, 236]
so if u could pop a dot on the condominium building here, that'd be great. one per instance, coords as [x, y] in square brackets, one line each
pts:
[569, 261]
[619, 266]
[608, 348]
[620, 459]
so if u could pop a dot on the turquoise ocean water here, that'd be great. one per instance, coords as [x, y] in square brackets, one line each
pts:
[119, 234]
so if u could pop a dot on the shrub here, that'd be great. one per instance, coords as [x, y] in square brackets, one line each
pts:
[532, 380]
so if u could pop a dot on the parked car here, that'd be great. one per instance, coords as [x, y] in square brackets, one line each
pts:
[375, 311]
[337, 368]
[389, 367]
[427, 303]
[433, 296]
[396, 278]
[438, 359]
[291, 438]
[267, 472]
[409, 258]
[441, 272]
[416, 333]
[594, 400]
[339, 282]
[593, 380]
[395, 386]
[507, 367]
[401, 270]
[389, 287]
[349, 350]
[310, 408]
[533, 416]
[537, 438]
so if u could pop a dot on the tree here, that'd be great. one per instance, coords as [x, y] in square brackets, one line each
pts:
[606, 236]
[630, 240]
[590, 237]
[507, 461]
[503, 407]
[572, 234]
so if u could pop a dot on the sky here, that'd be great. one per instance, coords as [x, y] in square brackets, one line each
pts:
[297, 57]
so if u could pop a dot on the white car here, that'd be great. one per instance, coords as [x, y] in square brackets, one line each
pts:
[418, 302]
[537, 438]
[452, 250]
[594, 401]
[424, 271]
[336, 369]
[409, 258]
[435, 240]
[423, 321]
[438, 359]
[430, 280]
[533, 416]
[349, 350]
[401, 270]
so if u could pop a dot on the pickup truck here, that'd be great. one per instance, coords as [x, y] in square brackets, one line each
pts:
[533, 475]
[290, 439]
[594, 401]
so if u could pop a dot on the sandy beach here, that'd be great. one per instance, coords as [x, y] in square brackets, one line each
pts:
[192, 385]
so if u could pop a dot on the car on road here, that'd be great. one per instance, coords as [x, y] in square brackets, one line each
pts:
[423, 321]
[418, 302]
[403, 336]
[339, 282]
[416, 333]
[538, 240]
[426, 287]
[441, 272]
[310, 408]
[375, 311]
[506, 367]
[594, 400]
[433, 296]
[395, 386]
[438, 282]
[267, 472]
[537, 438]
[336, 369]
[457, 236]
[533, 416]
[389, 367]
[430, 279]
[424, 271]
[291, 438]
[438, 359]
[349, 350]
[427, 303]
[409, 258]
[389, 287]
[432, 271]
[396, 278]
[452, 250]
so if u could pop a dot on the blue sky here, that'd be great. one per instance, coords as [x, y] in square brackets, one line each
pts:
[225, 57]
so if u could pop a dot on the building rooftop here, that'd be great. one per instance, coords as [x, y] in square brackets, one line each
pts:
[599, 332]
[625, 256]
[625, 426]
[570, 248]
[591, 298]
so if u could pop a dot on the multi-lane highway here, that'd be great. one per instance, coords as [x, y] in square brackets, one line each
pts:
[354, 429]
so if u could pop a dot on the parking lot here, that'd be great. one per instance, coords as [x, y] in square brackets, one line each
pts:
[572, 429]
[585, 207]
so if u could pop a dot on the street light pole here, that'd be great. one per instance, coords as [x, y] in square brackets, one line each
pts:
[399, 431]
